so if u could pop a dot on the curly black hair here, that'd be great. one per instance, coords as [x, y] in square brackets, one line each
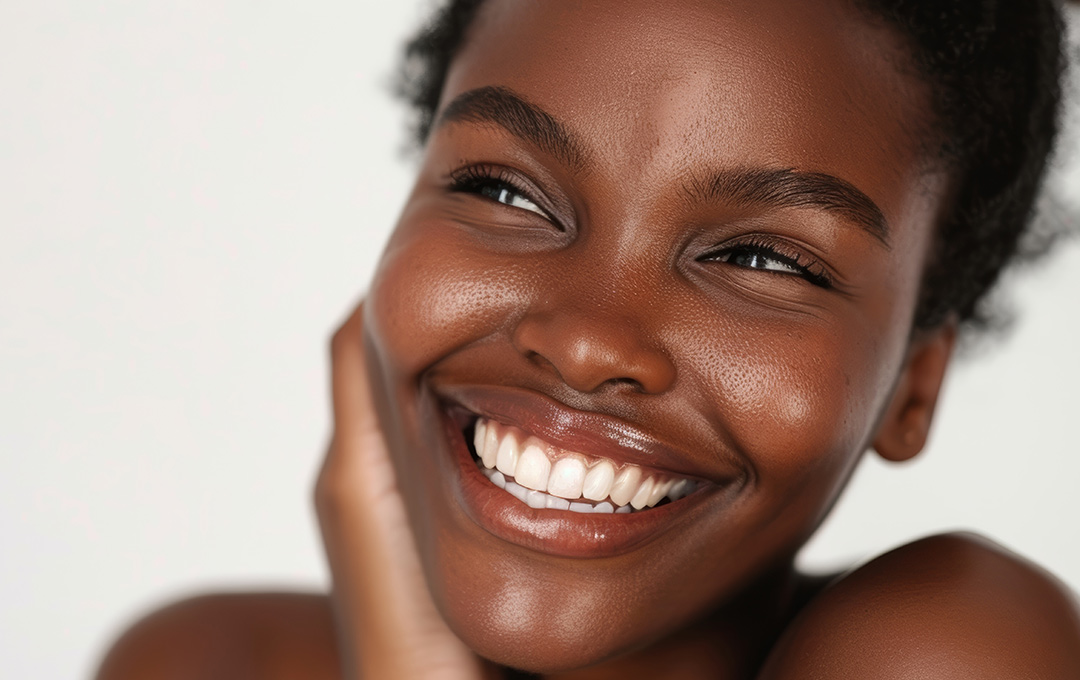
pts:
[995, 71]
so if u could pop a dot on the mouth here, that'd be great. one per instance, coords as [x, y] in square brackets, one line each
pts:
[543, 475]
[567, 483]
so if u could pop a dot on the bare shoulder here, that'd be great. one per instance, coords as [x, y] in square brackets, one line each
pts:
[261, 636]
[947, 606]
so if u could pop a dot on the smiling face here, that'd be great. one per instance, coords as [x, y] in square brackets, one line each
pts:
[656, 242]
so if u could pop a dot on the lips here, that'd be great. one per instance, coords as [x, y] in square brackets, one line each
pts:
[570, 483]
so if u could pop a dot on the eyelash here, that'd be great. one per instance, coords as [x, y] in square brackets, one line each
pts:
[778, 252]
[474, 179]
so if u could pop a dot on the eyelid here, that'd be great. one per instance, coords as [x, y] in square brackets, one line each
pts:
[812, 269]
[477, 173]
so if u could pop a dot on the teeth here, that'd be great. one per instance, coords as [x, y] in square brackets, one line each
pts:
[536, 499]
[516, 490]
[626, 483]
[598, 482]
[520, 465]
[567, 477]
[604, 507]
[507, 457]
[533, 468]
[478, 437]
[680, 489]
[641, 498]
[660, 489]
[554, 503]
[490, 449]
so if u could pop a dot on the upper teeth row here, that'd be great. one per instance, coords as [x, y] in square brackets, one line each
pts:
[571, 476]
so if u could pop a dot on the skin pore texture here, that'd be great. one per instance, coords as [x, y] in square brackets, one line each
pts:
[687, 236]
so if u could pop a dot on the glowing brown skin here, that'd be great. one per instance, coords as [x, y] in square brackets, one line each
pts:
[761, 382]
[752, 375]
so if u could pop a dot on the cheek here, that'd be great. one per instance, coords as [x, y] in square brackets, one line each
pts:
[433, 294]
[799, 405]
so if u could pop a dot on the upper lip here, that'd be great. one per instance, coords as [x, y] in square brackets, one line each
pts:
[586, 432]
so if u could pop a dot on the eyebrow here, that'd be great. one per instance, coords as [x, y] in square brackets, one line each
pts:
[789, 188]
[782, 188]
[502, 107]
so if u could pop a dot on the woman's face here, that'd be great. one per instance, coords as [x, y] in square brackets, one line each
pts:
[679, 239]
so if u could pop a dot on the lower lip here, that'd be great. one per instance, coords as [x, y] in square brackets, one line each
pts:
[559, 533]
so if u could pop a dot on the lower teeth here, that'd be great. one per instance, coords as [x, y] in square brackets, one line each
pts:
[539, 499]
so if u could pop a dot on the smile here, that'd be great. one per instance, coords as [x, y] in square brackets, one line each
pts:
[565, 482]
[544, 476]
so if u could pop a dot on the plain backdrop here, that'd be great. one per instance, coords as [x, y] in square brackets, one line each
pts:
[192, 194]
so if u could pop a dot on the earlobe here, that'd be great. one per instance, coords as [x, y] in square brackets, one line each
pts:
[904, 430]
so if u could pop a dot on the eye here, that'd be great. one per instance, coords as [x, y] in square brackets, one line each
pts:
[765, 256]
[757, 258]
[502, 192]
[496, 185]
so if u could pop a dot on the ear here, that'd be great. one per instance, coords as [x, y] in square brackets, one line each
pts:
[903, 431]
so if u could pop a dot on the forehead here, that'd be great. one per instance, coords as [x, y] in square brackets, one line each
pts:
[667, 85]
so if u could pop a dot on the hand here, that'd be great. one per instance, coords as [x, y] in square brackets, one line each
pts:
[388, 626]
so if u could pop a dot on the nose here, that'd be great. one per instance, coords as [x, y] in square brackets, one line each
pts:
[590, 350]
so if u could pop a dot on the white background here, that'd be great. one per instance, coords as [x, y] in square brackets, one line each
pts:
[192, 193]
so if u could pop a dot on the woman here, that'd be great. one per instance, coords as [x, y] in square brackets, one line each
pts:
[668, 271]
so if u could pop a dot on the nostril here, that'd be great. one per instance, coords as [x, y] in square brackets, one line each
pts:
[541, 361]
[626, 383]
[589, 353]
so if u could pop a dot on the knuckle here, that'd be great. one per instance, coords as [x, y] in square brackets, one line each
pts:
[339, 340]
[348, 334]
[326, 501]
[327, 491]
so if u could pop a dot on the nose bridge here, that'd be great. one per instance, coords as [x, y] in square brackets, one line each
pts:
[595, 325]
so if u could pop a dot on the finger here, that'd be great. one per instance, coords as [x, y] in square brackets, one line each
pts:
[355, 464]
[354, 418]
